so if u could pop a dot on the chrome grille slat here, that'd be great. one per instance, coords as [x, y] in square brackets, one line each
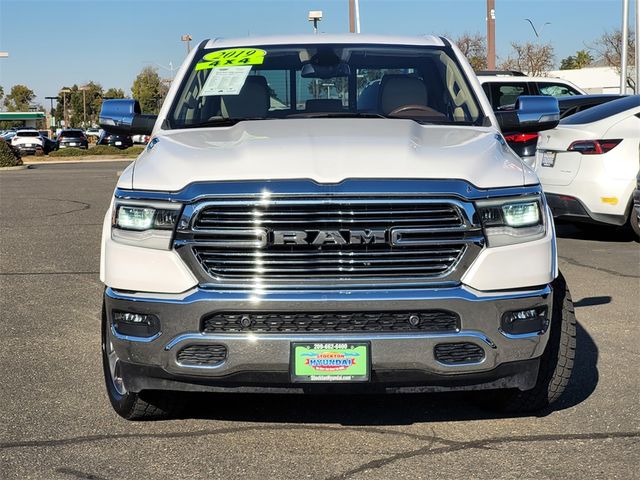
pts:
[233, 240]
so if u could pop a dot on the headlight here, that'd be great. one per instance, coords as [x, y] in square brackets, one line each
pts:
[144, 224]
[512, 220]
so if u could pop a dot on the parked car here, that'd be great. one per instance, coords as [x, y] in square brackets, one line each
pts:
[333, 249]
[140, 139]
[588, 164]
[48, 144]
[73, 137]
[115, 140]
[524, 144]
[503, 88]
[29, 142]
[93, 132]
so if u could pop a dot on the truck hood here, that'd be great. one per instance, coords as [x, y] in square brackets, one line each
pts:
[327, 151]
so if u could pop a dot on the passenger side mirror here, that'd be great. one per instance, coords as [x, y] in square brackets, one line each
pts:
[531, 114]
[124, 117]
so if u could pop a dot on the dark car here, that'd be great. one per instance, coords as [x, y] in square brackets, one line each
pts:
[524, 144]
[118, 141]
[72, 138]
[48, 144]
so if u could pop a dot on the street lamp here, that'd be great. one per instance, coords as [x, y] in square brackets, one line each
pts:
[64, 92]
[187, 38]
[52, 114]
[84, 89]
[538, 35]
[328, 85]
[170, 68]
[4, 54]
[315, 16]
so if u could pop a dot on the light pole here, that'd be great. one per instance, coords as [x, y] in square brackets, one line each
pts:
[538, 35]
[315, 16]
[52, 114]
[187, 38]
[328, 85]
[84, 89]
[354, 16]
[164, 67]
[491, 34]
[64, 92]
[625, 43]
[637, 47]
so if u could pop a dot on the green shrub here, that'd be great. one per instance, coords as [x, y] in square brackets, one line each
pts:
[69, 152]
[97, 150]
[8, 156]
[135, 150]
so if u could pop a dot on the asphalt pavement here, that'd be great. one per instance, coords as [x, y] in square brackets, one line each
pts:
[56, 422]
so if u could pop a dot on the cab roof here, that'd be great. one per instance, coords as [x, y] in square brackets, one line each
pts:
[353, 38]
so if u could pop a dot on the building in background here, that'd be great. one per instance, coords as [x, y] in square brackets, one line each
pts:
[592, 79]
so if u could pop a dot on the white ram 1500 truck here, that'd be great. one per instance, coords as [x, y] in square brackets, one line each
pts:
[330, 213]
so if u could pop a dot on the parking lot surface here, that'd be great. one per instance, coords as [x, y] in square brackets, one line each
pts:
[55, 420]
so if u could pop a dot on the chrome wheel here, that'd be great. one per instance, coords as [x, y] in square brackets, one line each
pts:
[114, 369]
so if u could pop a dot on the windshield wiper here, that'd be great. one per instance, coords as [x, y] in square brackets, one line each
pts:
[336, 115]
[220, 122]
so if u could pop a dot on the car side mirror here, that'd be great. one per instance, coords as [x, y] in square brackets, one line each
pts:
[531, 114]
[124, 117]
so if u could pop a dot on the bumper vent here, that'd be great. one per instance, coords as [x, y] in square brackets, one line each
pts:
[330, 322]
[202, 355]
[458, 353]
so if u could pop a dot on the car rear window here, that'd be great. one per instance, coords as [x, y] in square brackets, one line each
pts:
[603, 111]
[28, 134]
[72, 133]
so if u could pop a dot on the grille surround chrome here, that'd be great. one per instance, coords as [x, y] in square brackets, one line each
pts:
[191, 239]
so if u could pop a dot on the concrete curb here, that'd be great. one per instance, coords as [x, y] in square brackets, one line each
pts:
[79, 160]
[17, 167]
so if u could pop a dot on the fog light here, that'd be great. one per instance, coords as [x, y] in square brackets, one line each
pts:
[532, 320]
[136, 324]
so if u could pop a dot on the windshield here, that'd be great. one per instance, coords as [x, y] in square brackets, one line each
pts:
[310, 81]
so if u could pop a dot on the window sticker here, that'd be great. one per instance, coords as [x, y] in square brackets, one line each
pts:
[231, 57]
[225, 81]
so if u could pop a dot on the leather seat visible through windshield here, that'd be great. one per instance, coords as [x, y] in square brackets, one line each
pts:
[252, 101]
[399, 90]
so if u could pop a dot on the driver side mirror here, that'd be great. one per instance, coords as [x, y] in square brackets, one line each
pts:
[124, 117]
[531, 114]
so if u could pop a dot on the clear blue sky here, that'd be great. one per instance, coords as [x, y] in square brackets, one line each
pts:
[61, 42]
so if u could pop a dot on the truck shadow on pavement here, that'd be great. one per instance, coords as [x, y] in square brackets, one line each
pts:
[593, 232]
[393, 409]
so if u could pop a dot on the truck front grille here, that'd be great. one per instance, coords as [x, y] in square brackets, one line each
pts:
[331, 322]
[326, 239]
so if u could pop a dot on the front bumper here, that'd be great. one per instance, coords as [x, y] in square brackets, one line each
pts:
[261, 360]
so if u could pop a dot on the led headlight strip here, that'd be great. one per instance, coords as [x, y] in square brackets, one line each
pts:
[144, 224]
[511, 220]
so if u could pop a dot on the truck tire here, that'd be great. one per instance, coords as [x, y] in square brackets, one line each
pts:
[145, 405]
[634, 224]
[556, 362]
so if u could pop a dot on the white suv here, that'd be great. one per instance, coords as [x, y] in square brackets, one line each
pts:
[331, 213]
[503, 88]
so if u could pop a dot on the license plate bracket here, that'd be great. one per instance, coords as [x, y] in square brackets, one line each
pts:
[548, 159]
[317, 362]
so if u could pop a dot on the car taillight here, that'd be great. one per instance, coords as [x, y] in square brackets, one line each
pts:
[521, 137]
[593, 147]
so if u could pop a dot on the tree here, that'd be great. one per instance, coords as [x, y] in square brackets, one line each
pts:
[581, 59]
[474, 47]
[609, 48]
[532, 58]
[19, 98]
[113, 93]
[1, 92]
[149, 89]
